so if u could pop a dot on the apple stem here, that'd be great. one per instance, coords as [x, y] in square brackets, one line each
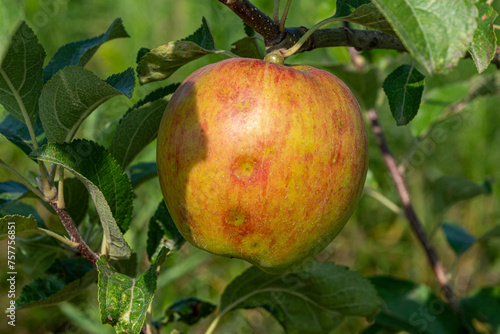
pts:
[411, 215]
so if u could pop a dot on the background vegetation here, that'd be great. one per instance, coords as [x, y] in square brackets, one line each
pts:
[377, 241]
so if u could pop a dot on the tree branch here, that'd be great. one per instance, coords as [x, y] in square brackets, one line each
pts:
[411, 215]
[75, 236]
[274, 39]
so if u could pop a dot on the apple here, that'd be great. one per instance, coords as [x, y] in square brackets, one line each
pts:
[260, 161]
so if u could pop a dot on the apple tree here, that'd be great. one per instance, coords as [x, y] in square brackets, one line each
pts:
[83, 221]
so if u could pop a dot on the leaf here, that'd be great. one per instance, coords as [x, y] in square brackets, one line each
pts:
[305, 302]
[346, 7]
[484, 42]
[65, 279]
[21, 75]
[248, 47]
[80, 52]
[435, 33]
[11, 191]
[404, 87]
[17, 132]
[156, 94]
[68, 98]
[106, 182]
[124, 82]
[139, 127]
[20, 223]
[448, 190]
[76, 198]
[142, 172]
[161, 62]
[189, 310]
[459, 239]
[124, 301]
[249, 31]
[483, 307]
[22, 209]
[369, 16]
[413, 308]
[203, 36]
[162, 232]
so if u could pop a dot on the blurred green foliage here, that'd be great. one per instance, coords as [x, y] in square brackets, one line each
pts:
[376, 241]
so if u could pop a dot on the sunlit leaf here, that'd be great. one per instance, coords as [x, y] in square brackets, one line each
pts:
[436, 33]
[68, 98]
[106, 182]
[80, 52]
[484, 43]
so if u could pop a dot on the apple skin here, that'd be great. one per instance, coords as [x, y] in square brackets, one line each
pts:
[262, 162]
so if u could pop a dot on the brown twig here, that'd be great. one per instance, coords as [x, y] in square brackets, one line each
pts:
[74, 234]
[404, 195]
[274, 39]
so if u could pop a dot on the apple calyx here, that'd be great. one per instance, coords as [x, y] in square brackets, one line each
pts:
[275, 58]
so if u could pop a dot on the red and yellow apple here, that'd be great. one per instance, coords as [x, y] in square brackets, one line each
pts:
[261, 161]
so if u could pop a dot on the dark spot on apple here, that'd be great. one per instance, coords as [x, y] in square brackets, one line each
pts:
[255, 244]
[247, 169]
[235, 217]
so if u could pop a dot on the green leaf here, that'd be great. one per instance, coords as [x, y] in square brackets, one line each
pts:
[20, 223]
[162, 232]
[65, 279]
[21, 75]
[484, 43]
[436, 33]
[11, 12]
[22, 209]
[346, 7]
[249, 31]
[17, 132]
[124, 82]
[313, 301]
[161, 62]
[482, 307]
[11, 191]
[413, 308]
[404, 87]
[248, 47]
[369, 16]
[156, 94]
[68, 98]
[124, 301]
[139, 126]
[76, 198]
[459, 239]
[80, 52]
[448, 190]
[106, 182]
[142, 172]
[203, 36]
[189, 310]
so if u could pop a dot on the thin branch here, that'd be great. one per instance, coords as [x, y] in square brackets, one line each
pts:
[404, 195]
[70, 227]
